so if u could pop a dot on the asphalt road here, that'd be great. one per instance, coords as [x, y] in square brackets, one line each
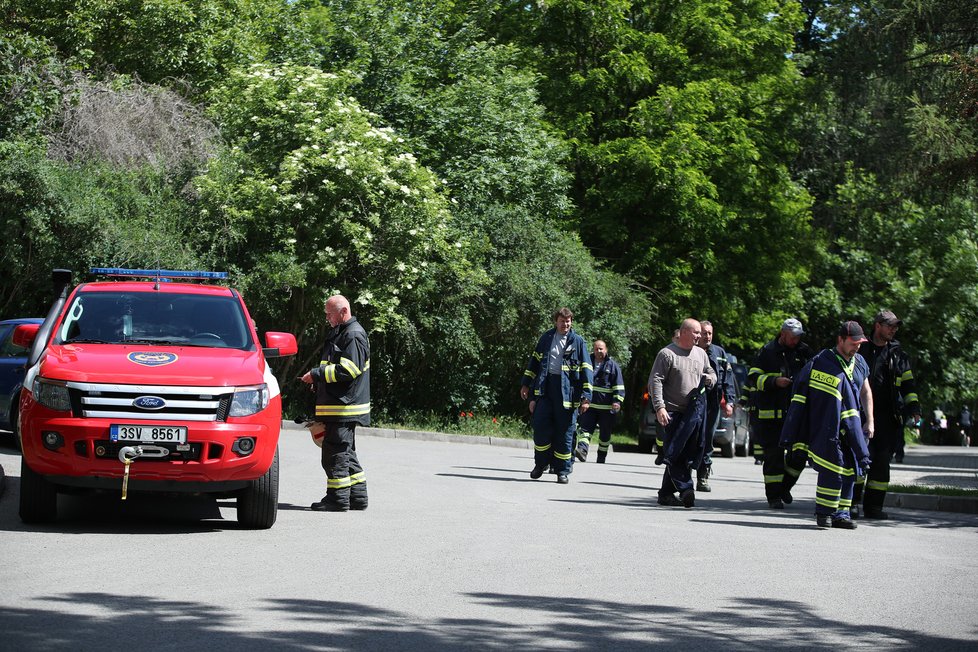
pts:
[461, 550]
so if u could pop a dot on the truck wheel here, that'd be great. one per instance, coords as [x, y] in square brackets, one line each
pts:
[258, 502]
[38, 497]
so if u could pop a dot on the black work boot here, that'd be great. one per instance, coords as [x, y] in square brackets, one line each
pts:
[602, 456]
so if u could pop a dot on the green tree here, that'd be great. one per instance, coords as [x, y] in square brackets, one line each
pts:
[472, 114]
[161, 41]
[677, 113]
[313, 198]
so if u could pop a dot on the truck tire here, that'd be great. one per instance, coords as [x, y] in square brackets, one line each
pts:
[38, 497]
[258, 502]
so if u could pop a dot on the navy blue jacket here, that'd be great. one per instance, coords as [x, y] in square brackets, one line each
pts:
[576, 372]
[823, 417]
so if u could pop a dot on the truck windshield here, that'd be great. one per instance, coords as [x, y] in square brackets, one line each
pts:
[155, 318]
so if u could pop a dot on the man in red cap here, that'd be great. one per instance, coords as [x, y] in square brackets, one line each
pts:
[823, 419]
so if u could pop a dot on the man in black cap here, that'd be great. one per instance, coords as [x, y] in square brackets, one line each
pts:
[770, 378]
[823, 420]
[894, 399]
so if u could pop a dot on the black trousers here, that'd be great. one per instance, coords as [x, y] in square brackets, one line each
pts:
[346, 484]
[881, 447]
[769, 437]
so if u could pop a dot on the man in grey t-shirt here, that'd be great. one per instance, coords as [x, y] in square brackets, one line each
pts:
[677, 374]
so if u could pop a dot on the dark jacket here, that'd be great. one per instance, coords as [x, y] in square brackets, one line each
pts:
[691, 426]
[892, 382]
[769, 403]
[724, 386]
[608, 385]
[823, 418]
[342, 379]
[576, 372]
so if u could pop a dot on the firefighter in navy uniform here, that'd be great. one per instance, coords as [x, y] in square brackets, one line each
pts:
[608, 395]
[823, 420]
[771, 376]
[894, 398]
[558, 375]
[342, 386]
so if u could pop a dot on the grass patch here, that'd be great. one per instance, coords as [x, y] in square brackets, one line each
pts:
[482, 425]
[936, 490]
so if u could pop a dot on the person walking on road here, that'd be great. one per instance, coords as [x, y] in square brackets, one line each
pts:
[964, 420]
[681, 376]
[823, 419]
[721, 393]
[894, 399]
[608, 395]
[342, 386]
[557, 381]
[770, 378]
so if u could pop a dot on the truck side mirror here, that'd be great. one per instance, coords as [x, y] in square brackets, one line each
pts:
[25, 334]
[279, 345]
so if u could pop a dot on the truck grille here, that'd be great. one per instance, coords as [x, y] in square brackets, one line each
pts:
[119, 402]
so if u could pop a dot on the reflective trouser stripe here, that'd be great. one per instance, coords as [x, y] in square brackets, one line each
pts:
[768, 479]
[562, 456]
[878, 486]
[339, 483]
[542, 448]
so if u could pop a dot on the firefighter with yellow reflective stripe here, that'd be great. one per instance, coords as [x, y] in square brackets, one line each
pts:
[607, 397]
[770, 377]
[823, 420]
[894, 399]
[342, 386]
[557, 381]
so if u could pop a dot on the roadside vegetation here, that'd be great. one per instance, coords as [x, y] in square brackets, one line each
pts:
[461, 169]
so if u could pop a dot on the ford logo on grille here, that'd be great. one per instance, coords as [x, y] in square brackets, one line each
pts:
[149, 403]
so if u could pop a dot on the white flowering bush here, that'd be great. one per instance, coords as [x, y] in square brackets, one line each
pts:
[312, 197]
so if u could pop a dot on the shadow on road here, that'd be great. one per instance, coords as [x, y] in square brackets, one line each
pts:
[64, 622]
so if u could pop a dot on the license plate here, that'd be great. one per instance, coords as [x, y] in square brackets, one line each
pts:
[149, 434]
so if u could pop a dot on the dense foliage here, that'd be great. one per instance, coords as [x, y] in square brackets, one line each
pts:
[460, 169]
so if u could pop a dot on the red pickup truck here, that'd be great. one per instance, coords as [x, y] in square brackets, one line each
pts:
[151, 381]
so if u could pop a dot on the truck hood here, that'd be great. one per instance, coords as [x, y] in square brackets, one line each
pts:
[152, 365]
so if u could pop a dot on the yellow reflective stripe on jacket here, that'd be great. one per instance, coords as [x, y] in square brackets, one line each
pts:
[828, 389]
[350, 366]
[846, 414]
[342, 410]
[911, 398]
[769, 414]
[799, 398]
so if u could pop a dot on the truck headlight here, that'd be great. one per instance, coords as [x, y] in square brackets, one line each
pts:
[52, 394]
[249, 400]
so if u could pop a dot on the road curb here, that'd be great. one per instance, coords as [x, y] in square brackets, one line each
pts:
[426, 435]
[934, 503]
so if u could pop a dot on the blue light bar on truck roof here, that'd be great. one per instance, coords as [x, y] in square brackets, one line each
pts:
[158, 273]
